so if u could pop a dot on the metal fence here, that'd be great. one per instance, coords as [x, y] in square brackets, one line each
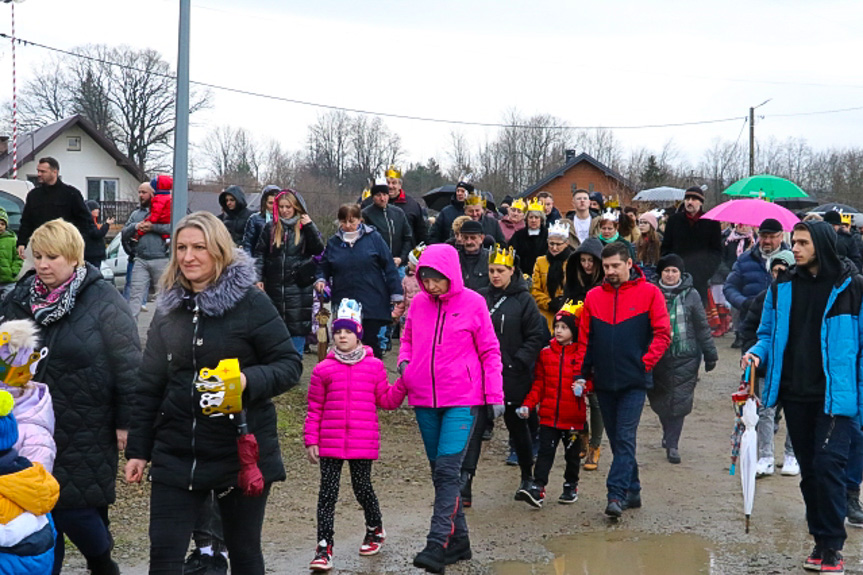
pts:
[119, 210]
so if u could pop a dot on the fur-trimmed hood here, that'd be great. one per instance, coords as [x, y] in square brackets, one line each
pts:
[220, 296]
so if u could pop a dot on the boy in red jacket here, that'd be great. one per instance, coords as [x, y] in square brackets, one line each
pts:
[562, 410]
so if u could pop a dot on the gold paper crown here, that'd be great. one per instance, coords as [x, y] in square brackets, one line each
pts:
[501, 256]
[847, 219]
[535, 205]
[573, 309]
[414, 255]
[367, 193]
[518, 204]
[17, 376]
[474, 199]
[393, 172]
[221, 390]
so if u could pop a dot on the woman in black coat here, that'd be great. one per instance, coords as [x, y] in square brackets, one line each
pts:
[522, 333]
[531, 241]
[208, 310]
[286, 247]
[94, 243]
[91, 367]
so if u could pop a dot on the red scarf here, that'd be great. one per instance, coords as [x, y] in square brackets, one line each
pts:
[693, 218]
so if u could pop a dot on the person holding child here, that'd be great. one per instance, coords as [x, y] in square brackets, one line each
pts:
[342, 425]
[562, 411]
[450, 367]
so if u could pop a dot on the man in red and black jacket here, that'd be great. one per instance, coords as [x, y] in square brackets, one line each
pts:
[624, 331]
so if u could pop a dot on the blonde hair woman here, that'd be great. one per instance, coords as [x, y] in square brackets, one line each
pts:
[91, 367]
[208, 310]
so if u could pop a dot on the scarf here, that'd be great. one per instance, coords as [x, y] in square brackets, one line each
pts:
[741, 240]
[351, 237]
[554, 278]
[49, 305]
[535, 232]
[350, 357]
[681, 343]
[693, 218]
[612, 239]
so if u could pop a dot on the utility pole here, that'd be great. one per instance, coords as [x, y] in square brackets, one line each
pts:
[180, 200]
[752, 136]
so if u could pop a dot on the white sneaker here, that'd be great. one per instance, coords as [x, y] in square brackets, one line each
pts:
[790, 466]
[764, 467]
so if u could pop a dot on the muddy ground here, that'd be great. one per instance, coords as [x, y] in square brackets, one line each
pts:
[691, 520]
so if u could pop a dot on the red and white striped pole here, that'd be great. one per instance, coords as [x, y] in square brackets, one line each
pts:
[14, 104]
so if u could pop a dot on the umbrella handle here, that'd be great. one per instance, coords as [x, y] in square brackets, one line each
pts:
[752, 378]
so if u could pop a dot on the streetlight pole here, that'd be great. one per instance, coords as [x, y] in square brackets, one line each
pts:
[180, 200]
[752, 136]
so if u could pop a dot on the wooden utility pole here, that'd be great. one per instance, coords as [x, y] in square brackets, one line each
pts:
[751, 141]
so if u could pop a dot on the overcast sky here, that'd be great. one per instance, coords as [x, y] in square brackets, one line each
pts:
[608, 63]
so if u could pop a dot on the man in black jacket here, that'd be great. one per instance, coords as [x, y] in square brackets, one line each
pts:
[474, 208]
[235, 212]
[472, 257]
[50, 200]
[412, 209]
[696, 240]
[441, 230]
[846, 245]
[391, 222]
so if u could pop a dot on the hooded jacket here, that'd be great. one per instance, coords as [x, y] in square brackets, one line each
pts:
[521, 331]
[92, 372]
[675, 375]
[364, 272]
[256, 222]
[94, 241]
[847, 246]
[230, 318]
[623, 333]
[392, 224]
[342, 416]
[441, 229]
[749, 277]
[529, 247]
[552, 389]
[573, 288]
[453, 356]
[34, 412]
[235, 220]
[838, 337]
[509, 227]
[10, 263]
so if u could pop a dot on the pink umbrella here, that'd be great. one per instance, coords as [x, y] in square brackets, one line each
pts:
[751, 212]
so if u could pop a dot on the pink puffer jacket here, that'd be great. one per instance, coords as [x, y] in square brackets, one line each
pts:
[34, 412]
[410, 287]
[342, 418]
[449, 342]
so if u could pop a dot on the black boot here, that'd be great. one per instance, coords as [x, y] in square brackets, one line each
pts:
[738, 341]
[466, 485]
[432, 558]
[103, 565]
[457, 550]
[855, 513]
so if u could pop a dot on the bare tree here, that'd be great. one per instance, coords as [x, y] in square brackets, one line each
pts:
[329, 146]
[374, 147]
[459, 156]
[232, 156]
[279, 166]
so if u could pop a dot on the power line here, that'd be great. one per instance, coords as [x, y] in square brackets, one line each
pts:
[361, 111]
[837, 111]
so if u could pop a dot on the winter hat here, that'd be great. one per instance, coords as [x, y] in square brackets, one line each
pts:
[427, 273]
[92, 205]
[694, 192]
[832, 217]
[781, 257]
[349, 317]
[8, 425]
[650, 218]
[4, 216]
[770, 226]
[670, 261]
[597, 197]
[380, 189]
[162, 183]
[570, 315]
[467, 186]
[471, 227]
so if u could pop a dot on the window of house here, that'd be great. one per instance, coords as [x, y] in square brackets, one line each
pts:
[590, 187]
[102, 189]
[73, 143]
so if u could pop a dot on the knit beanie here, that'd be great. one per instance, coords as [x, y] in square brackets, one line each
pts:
[782, 256]
[349, 317]
[650, 219]
[4, 216]
[8, 425]
[670, 261]
[569, 321]
[694, 192]
[427, 273]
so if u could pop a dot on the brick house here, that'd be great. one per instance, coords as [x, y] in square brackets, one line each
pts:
[581, 171]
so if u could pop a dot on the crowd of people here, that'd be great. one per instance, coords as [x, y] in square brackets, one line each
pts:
[564, 325]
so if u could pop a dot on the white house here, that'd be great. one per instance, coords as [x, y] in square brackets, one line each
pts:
[88, 160]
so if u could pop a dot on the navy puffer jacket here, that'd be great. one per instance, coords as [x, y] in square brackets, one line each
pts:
[749, 277]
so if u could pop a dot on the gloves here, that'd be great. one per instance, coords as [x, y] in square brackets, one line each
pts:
[523, 412]
[495, 411]
[709, 365]
[402, 367]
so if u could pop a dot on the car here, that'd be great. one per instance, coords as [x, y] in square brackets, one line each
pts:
[13, 193]
[115, 262]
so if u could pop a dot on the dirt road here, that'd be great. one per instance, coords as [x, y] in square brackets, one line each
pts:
[691, 520]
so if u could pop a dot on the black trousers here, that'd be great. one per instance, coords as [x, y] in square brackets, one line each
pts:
[208, 529]
[549, 437]
[371, 327]
[361, 482]
[87, 528]
[175, 511]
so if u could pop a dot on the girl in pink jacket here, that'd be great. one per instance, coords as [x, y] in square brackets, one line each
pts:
[342, 424]
[450, 369]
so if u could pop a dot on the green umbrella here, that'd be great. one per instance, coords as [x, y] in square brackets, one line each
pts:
[765, 187]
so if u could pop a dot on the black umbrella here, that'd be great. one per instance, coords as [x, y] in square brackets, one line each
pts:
[796, 203]
[833, 206]
[438, 198]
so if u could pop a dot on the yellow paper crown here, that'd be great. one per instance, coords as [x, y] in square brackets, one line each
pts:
[518, 204]
[847, 219]
[367, 193]
[474, 199]
[393, 172]
[221, 390]
[573, 309]
[536, 205]
[501, 256]
[17, 376]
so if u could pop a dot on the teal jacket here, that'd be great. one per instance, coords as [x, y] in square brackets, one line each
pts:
[10, 263]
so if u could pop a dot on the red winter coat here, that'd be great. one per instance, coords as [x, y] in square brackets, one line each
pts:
[552, 389]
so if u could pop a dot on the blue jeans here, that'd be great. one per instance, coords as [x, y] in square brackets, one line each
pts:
[854, 469]
[446, 432]
[821, 444]
[87, 529]
[299, 342]
[621, 413]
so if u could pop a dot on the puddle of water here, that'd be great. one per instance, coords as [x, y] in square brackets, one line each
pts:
[618, 552]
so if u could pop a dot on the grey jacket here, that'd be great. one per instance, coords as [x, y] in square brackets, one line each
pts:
[150, 246]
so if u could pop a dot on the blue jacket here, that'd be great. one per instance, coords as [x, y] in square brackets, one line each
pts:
[365, 272]
[841, 337]
[749, 277]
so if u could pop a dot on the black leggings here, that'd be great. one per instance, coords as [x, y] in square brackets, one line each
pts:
[361, 481]
[549, 437]
[174, 511]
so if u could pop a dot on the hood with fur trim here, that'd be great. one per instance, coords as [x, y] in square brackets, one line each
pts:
[221, 295]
